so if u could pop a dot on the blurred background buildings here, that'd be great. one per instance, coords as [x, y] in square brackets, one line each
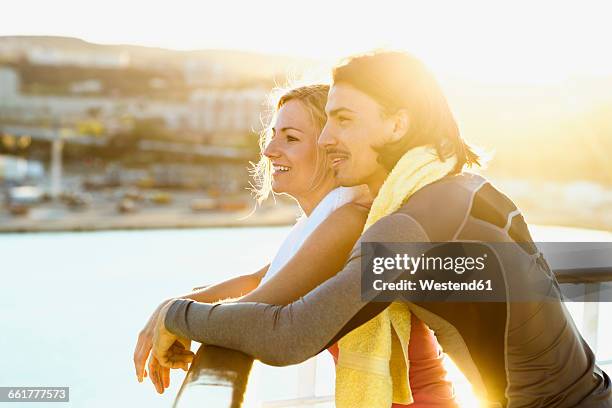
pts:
[78, 120]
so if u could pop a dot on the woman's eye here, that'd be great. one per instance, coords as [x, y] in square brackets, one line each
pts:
[292, 139]
[343, 120]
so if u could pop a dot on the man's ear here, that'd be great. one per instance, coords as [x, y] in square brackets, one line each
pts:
[401, 124]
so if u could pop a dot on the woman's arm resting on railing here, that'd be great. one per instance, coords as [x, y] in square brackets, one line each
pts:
[230, 288]
[284, 335]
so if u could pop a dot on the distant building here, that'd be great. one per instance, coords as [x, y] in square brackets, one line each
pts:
[17, 169]
[10, 51]
[228, 110]
[9, 84]
[87, 86]
[203, 73]
[218, 113]
[54, 56]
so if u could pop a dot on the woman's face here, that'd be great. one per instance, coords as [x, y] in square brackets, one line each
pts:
[293, 151]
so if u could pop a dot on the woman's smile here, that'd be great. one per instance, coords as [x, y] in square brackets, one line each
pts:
[279, 169]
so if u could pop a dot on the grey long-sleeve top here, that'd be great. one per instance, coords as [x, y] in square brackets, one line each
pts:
[515, 354]
[284, 335]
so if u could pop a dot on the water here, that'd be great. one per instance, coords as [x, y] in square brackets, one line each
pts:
[71, 306]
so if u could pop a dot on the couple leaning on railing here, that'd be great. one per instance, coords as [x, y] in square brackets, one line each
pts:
[377, 158]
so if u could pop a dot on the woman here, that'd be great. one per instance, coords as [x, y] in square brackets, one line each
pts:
[333, 218]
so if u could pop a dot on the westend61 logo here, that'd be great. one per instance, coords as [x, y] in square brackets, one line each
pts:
[441, 264]
[428, 263]
[469, 271]
[428, 271]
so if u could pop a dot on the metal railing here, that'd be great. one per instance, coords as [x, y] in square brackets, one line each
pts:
[218, 377]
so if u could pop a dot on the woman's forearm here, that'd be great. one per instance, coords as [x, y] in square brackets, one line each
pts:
[276, 335]
[228, 289]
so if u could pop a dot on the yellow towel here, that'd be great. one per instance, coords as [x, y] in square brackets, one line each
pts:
[372, 369]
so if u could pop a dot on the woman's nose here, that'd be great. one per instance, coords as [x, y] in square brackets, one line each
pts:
[271, 150]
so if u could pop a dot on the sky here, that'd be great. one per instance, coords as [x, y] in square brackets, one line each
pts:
[511, 41]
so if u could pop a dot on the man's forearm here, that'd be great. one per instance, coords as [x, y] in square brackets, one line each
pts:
[283, 335]
[276, 335]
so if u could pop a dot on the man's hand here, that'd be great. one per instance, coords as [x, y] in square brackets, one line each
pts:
[160, 376]
[170, 350]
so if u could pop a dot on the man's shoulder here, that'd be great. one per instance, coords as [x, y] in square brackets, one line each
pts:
[438, 211]
[454, 189]
[441, 207]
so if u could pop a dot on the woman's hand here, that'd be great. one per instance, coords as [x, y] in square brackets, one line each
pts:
[144, 344]
[170, 350]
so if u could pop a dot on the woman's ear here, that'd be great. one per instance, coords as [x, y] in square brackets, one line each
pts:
[401, 124]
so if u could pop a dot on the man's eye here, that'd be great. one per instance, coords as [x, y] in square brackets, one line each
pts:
[292, 139]
[343, 119]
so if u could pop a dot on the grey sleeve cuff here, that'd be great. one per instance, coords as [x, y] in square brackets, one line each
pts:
[176, 320]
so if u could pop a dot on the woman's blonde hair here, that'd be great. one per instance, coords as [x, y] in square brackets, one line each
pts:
[313, 98]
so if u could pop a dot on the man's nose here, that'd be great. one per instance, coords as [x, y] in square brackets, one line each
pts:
[326, 137]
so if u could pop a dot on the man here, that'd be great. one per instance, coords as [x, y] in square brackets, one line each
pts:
[525, 354]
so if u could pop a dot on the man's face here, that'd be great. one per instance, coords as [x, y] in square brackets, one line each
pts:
[355, 126]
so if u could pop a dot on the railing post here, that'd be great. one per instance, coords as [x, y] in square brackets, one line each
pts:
[217, 378]
[590, 314]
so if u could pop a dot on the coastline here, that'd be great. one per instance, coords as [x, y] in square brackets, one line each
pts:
[578, 205]
[262, 217]
[283, 215]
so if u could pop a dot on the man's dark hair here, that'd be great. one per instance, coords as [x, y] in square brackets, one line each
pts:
[397, 80]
